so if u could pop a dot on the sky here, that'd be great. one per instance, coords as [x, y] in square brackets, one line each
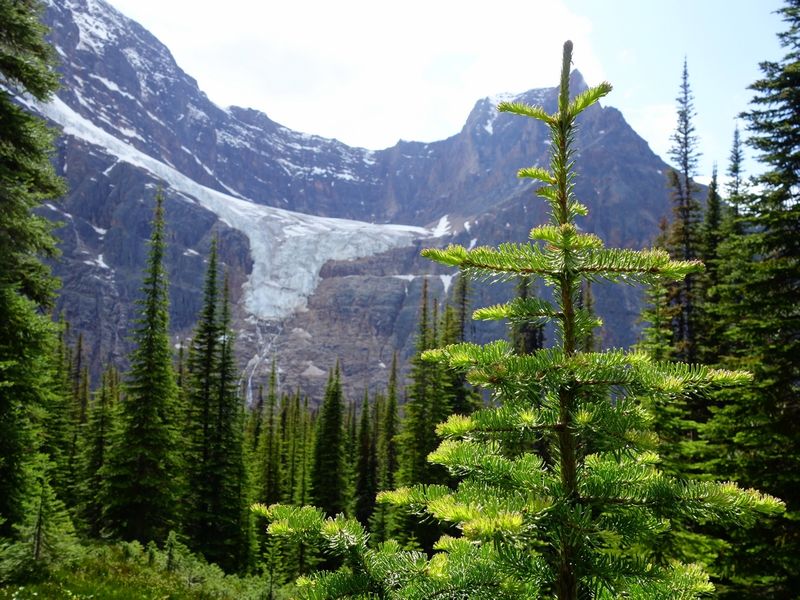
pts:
[370, 73]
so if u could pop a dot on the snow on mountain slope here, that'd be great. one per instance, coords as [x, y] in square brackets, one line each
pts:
[288, 248]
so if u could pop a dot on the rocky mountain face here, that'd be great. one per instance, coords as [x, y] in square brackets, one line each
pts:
[321, 240]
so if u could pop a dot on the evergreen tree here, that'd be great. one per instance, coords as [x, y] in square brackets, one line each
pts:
[227, 544]
[415, 440]
[684, 236]
[366, 463]
[735, 170]
[580, 528]
[141, 477]
[382, 522]
[26, 287]
[203, 375]
[760, 274]
[94, 451]
[328, 473]
[709, 328]
[268, 471]
[45, 537]
[57, 419]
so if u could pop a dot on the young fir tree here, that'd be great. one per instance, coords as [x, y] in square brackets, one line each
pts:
[580, 528]
[760, 273]
[45, 537]
[26, 287]
[141, 477]
[94, 451]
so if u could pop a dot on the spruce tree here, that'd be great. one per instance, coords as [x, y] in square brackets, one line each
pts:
[328, 473]
[760, 272]
[141, 478]
[203, 372]
[45, 538]
[578, 528]
[94, 451]
[684, 237]
[268, 471]
[26, 287]
[382, 525]
[228, 545]
[365, 468]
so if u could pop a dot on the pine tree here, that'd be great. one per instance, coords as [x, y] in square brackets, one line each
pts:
[26, 287]
[141, 477]
[580, 528]
[760, 272]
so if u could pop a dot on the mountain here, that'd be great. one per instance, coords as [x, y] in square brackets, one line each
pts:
[321, 240]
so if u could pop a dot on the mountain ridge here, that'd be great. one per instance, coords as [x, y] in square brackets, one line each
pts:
[461, 189]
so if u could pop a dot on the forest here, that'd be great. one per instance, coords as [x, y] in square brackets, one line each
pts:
[537, 466]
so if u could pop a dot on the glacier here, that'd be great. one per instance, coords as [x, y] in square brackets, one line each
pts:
[288, 248]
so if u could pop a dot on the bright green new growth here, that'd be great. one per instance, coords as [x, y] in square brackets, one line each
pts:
[578, 520]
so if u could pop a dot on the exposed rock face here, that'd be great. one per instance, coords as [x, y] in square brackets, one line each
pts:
[314, 277]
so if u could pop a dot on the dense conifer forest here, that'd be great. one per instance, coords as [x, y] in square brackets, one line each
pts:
[525, 468]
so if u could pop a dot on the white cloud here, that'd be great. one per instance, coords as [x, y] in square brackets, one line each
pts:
[367, 72]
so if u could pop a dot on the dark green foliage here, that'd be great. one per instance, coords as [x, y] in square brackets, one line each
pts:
[45, 536]
[202, 396]
[267, 477]
[328, 473]
[382, 524]
[95, 445]
[26, 286]
[760, 279]
[366, 467]
[141, 484]
[217, 491]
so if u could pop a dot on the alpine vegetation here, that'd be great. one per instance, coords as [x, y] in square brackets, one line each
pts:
[560, 493]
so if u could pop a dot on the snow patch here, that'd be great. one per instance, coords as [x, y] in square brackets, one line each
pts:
[442, 227]
[97, 262]
[190, 252]
[472, 243]
[112, 86]
[446, 281]
[405, 277]
[313, 371]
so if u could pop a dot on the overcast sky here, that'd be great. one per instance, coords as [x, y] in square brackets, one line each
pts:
[370, 73]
